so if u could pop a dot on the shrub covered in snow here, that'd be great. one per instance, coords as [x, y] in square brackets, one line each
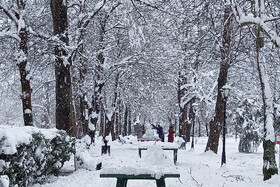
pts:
[248, 117]
[249, 141]
[28, 154]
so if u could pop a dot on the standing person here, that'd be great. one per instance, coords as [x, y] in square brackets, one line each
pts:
[171, 134]
[159, 131]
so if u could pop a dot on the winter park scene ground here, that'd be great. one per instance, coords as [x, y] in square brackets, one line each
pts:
[196, 167]
[103, 93]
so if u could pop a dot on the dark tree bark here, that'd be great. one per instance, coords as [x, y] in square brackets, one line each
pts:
[216, 123]
[119, 117]
[83, 115]
[64, 108]
[188, 124]
[184, 126]
[96, 106]
[125, 123]
[25, 78]
[129, 120]
[114, 118]
[102, 121]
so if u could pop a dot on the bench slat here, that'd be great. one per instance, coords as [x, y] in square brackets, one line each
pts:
[140, 176]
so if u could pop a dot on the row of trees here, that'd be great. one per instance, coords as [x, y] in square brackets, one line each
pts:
[105, 63]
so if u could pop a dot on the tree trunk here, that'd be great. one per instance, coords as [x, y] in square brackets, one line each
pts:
[47, 115]
[189, 123]
[108, 125]
[99, 82]
[181, 109]
[120, 114]
[129, 120]
[114, 117]
[117, 130]
[24, 70]
[199, 128]
[216, 123]
[83, 112]
[64, 108]
[102, 121]
[269, 163]
[125, 123]
[95, 109]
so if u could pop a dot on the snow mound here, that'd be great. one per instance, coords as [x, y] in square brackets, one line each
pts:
[11, 137]
[4, 181]
[156, 156]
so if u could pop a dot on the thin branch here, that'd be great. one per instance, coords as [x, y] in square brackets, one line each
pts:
[9, 13]
[9, 34]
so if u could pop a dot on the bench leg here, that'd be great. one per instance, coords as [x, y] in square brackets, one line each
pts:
[160, 182]
[175, 156]
[139, 152]
[121, 182]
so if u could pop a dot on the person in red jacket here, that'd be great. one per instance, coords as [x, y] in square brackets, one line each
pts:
[171, 134]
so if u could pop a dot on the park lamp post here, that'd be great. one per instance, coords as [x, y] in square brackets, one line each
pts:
[194, 107]
[225, 92]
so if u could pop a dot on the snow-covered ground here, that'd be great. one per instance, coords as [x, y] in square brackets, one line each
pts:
[196, 167]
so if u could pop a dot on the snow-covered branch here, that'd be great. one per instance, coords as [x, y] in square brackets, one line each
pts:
[8, 12]
[10, 35]
[243, 20]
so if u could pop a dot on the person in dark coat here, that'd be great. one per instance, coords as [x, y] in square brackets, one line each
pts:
[159, 131]
[171, 134]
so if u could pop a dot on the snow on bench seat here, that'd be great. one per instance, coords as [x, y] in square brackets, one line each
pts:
[155, 163]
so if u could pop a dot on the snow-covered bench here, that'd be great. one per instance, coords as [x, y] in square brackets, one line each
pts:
[161, 145]
[155, 165]
[122, 178]
[174, 149]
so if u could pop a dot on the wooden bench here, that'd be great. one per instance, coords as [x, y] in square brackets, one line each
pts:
[175, 152]
[122, 178]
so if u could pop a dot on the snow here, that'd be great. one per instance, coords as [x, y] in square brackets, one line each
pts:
[270, 135]
[155, 163]
[196, 168]
[27, 67]
[28, 77]
[4, 181]
[99, 5]
[21, 24]
[86, 114]
[27, 111]
[150, 134]
[20, 57]
[91, 126]
[14, 136]
[152, 144]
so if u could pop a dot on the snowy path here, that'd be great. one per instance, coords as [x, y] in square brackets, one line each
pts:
[195, 167]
